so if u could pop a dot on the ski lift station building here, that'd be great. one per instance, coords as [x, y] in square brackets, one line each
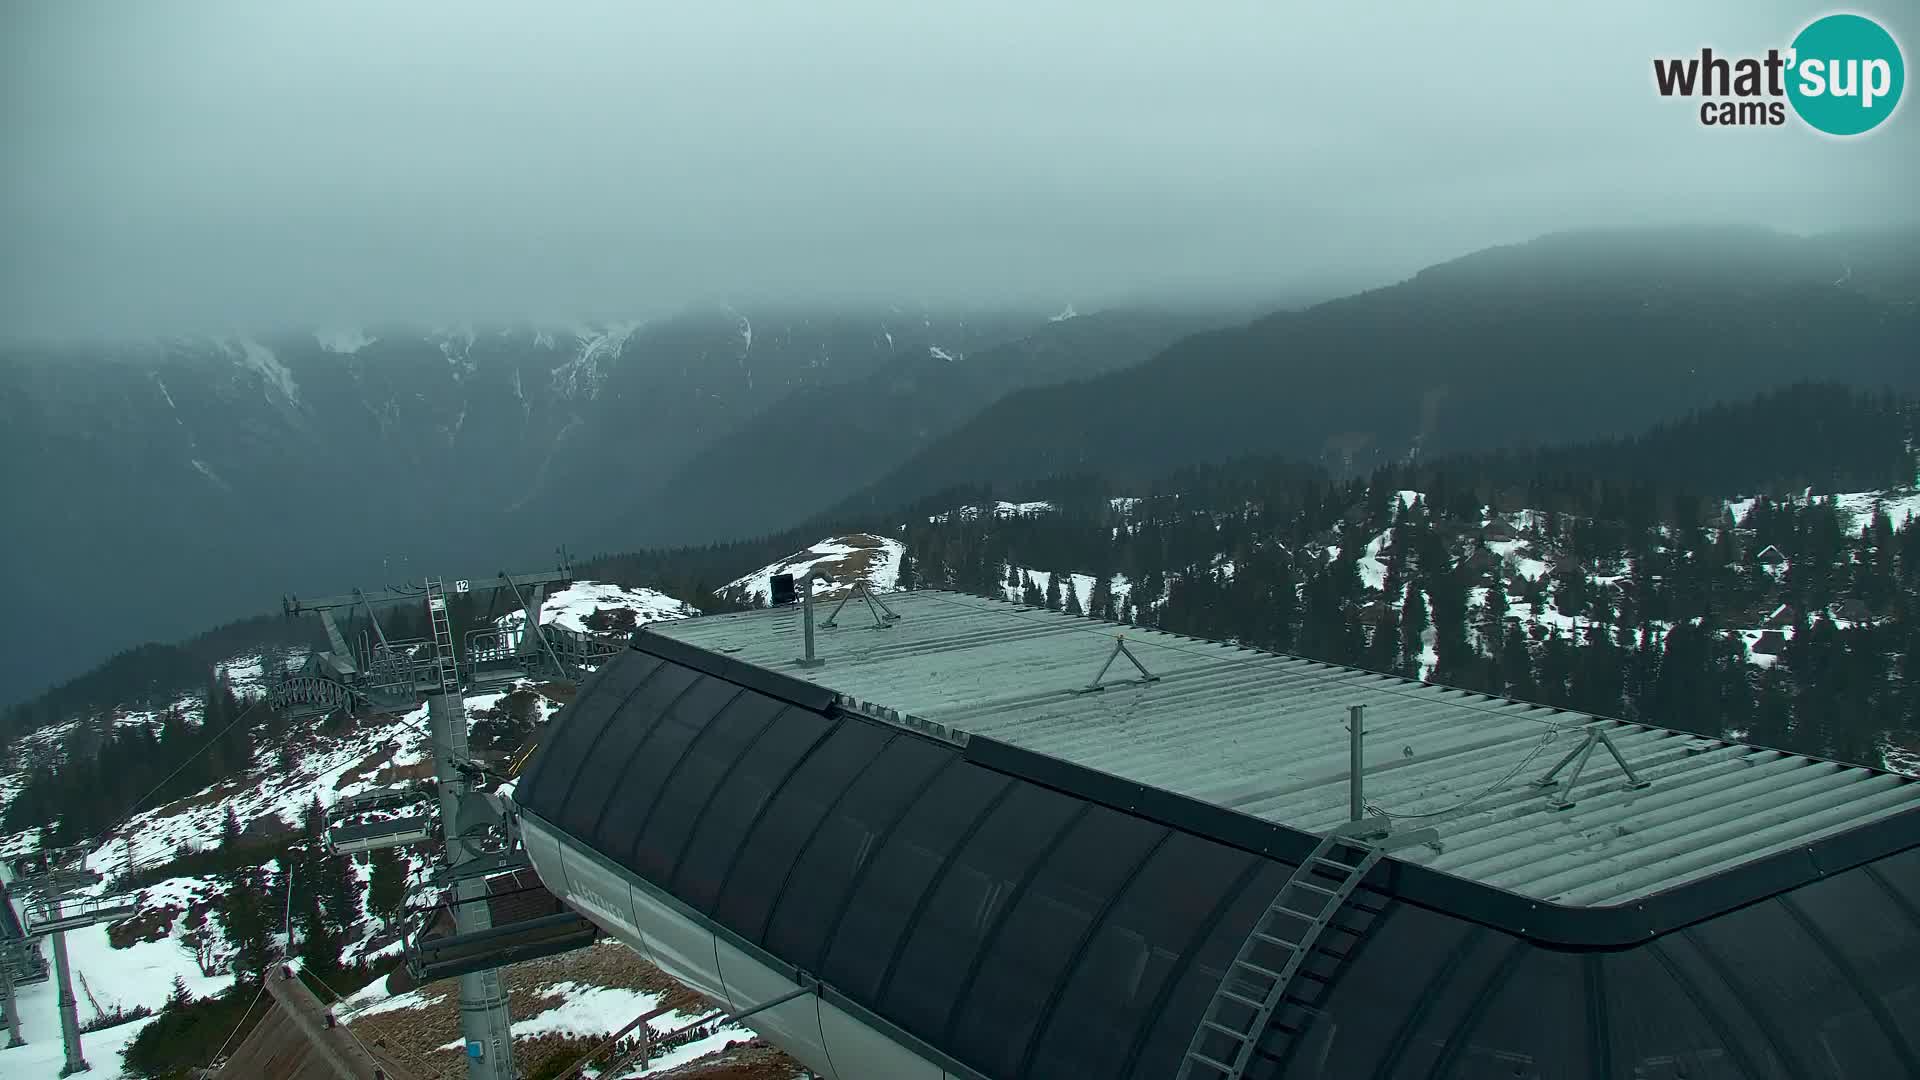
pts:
[983, 868]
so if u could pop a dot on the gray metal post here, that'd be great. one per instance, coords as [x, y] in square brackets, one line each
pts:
[69, 1013]
[1356, 762]
[806, 622]
[6, 992]
[483, 1000]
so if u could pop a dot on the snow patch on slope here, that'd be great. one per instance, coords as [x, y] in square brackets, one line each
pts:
[584, 374]
[1082, 584]
[321, 766]
[213, 478]
[571, 606]
[1900, 507]
[261, 360]
[843, 559]
[141, 975]
[998, 510]
[1856, 507]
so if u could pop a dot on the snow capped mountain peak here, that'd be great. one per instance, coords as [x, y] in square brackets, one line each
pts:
[273, 374]
[582, 376]
[344, 341]
[1065, 314]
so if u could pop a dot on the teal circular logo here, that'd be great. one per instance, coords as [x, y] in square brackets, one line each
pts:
[1846, 74]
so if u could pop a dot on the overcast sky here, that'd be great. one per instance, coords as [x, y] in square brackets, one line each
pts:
[196, 166]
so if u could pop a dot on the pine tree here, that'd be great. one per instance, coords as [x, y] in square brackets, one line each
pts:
[1053, 592]
[198, 939]
[387, 887]
[229, 828]
[1493, 624]
[1413, 630]
[1071, 604]
[1383, 652]
[908, 577]
[340, 893]
[1516, 668]
[1555, 670]
[246, 923]
[1100, 604]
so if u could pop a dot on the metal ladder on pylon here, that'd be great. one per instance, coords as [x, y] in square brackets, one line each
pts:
[446, 661]
[1284, 935]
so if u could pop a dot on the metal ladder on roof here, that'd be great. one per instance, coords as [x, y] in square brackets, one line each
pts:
[444, 658]
[1256, 983]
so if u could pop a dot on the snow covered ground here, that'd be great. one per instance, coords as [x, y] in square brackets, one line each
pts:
[571, 606]
[999, 510]
[1082, 585]
[1856, 507]
[590, 1011]
[249, 675]
[44, 1056]
[844, 559]
[141, 975]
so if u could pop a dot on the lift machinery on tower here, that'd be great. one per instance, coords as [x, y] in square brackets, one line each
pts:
[457, 936]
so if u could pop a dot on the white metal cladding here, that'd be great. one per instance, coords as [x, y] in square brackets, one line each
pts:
[1265, 735]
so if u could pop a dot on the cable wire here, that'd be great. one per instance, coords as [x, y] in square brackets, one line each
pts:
[257, 994]
[340, 1021]
[191, 758]
[1464, 803]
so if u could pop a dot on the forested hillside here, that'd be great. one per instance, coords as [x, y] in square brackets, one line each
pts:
[1584, 578]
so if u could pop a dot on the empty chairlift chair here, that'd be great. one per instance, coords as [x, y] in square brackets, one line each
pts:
[385, 817]
[529, 923]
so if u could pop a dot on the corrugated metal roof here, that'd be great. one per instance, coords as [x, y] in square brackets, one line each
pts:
[1265, 735]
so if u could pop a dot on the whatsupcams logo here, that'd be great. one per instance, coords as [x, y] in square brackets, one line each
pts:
[1841, 75]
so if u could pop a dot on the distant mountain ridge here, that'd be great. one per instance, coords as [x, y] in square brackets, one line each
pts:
[182, 483]
[177, 483]
[1571, 337]
[824, 442]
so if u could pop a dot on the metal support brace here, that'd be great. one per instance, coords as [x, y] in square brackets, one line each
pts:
[11, 952]
[336, 640]
[1119, 649]
[1577, 757]
[875, 607]
[530, 611]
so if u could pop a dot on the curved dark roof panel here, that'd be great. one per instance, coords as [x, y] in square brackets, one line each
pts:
[555, 766]
[1044, 929]
[1820, 982]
